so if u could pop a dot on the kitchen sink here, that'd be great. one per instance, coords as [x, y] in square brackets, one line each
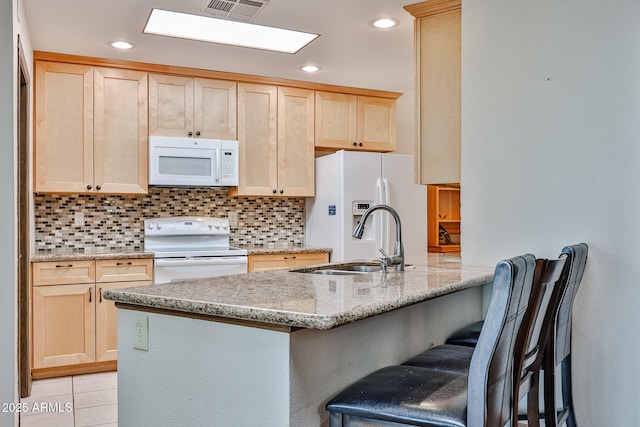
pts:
[342, 269]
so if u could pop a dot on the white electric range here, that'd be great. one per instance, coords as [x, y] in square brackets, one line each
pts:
[190, 247]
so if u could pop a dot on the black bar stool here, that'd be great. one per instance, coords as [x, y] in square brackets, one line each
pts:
[480, 396]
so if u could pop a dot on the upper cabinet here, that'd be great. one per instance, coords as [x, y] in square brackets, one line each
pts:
[355, 122]
[438, 41]
[91, 129]
[275, 136]
[197, 107]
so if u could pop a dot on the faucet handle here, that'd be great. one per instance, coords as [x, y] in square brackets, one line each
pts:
[384, 254]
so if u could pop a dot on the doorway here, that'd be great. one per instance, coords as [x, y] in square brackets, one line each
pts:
[24, 294]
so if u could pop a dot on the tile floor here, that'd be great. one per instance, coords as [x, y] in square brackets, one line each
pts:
[78, 401]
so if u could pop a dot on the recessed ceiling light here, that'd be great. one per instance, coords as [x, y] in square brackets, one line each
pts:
[310, 68]
[214, 30]
[121, 45]
[384, 23]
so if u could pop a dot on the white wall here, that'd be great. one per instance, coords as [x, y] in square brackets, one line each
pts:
[551, 156]
[8, 298]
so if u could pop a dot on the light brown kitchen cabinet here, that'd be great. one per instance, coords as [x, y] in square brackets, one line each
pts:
[438, 60]
[74, 327]
[354, 122]
[265, 262]
[91, 129]
[192, 107]
[443, 218]
[275, 138]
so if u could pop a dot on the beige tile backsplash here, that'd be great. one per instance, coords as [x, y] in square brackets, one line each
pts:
[116, 222]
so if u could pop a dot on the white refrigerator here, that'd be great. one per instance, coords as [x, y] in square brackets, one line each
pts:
[347, 183]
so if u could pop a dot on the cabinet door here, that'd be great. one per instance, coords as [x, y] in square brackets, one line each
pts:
[215, 109]
[336, 120]
[296, 151]
[257, 121]
[64, 127]
[170, 105]
[120, 138]
[107, 321]
[63, 325]
[376, 124]
[438, 61]
[275, 261]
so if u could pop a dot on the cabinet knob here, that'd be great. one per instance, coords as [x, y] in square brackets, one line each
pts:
[360, 144]
[190, 133]
[198, 133]
[281, 191]
[355, 144]
[275, 191]
[89, 186]
[98, 187]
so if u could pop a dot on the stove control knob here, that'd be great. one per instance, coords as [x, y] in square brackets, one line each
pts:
[225, 225]
[159, 226]
[217, 224]
[150, 226]
[210, 226]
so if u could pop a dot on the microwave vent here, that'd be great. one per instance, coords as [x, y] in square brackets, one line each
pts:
[237, 10]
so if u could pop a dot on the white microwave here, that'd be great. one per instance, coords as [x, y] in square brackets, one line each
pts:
[190, 162]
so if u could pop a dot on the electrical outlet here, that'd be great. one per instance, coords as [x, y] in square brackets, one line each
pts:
[141, 333]
[78, 219]
[233, 219]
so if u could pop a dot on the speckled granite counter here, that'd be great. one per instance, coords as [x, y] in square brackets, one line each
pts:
[302, 300]
[272, 249]
[89, 254]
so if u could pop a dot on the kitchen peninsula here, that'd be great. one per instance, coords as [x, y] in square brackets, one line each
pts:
[270, 348]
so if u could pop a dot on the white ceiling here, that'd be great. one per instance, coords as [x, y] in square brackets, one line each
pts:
[349, 50]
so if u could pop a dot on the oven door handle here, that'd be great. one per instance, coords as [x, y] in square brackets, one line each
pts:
[186, 262]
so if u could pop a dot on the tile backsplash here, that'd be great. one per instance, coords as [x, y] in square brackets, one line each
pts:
[116, 222]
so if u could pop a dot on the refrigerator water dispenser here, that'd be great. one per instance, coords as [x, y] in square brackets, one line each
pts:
[357, 208]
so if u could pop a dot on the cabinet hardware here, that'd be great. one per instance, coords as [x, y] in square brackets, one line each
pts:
[275, 191]
[123, 263]
[281, 191]
[100, 290]
[90, 293]
[64, 266]
[198, 133]
[355, 144]
[98, 187]
[360, 144]
[89, 187]
[190, 133]
[290, 257]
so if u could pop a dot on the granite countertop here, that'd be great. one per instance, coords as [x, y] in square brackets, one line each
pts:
[313, 301]
[280, 248]
[89, 254]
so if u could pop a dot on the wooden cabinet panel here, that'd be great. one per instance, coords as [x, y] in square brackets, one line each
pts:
[276, 261]
[376, 123]
[296, 151]
[107, 321]
[257, 140]
[126, 270]
[170, 105]
[63, 273]
[443, 214]
[215, 108]
[64, 127]
[63, 325]
[351, 122]
[438, 61]
[120, 135]
[336, 120]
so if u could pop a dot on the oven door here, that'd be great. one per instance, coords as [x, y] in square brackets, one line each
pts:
[170, 269]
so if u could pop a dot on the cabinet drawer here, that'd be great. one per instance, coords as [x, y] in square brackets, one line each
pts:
[124, 270]
[63, 273]
[272, 262]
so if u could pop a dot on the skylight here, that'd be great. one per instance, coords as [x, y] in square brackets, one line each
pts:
[214, 30]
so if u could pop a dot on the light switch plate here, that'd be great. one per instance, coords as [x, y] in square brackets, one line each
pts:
[141, 333]
[233, 219]
[78, 219]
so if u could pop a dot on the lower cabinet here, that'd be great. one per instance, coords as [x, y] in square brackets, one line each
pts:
[73, 325]
[290, 260]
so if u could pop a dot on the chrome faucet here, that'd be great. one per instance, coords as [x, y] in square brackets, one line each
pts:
[398, 258]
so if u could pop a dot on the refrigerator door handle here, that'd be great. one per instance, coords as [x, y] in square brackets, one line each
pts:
[381, 200]
[387, 219]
